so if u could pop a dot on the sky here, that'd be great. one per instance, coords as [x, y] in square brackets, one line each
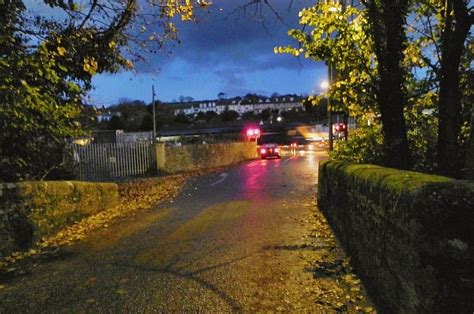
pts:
[226, 50]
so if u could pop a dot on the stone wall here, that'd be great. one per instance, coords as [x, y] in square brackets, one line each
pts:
[31, 210]
[410, 235]
[173, 159]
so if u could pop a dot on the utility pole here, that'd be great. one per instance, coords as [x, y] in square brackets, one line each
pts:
[330, 122]
[330, 81]
[154, 114]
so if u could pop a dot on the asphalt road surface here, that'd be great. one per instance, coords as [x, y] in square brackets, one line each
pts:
[248, 238]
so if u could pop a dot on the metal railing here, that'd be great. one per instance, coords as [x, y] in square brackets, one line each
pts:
[107, 161]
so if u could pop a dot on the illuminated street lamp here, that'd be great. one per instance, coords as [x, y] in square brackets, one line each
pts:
[324, 85]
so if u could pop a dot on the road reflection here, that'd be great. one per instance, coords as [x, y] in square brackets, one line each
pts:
[253, 177]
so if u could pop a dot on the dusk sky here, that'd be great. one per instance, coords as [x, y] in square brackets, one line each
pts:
[226, 51]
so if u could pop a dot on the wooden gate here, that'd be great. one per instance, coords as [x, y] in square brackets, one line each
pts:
[107, 161]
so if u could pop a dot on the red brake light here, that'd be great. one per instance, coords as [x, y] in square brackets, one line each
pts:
[263, 151]
[256, 131]
[250, 132]
[276, 150]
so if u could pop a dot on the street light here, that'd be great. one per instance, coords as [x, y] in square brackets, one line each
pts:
[334, 8]
[325, 87]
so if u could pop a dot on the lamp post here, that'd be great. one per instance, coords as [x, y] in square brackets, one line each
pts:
[329, 82]
[154, 114]
[330, 122]
[325, 86]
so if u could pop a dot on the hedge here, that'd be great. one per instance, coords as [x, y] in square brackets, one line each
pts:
[410, 235]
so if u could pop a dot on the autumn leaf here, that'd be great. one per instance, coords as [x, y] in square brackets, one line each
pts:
[129, 64]
[121, 292]
[61, 51]
[86, 67]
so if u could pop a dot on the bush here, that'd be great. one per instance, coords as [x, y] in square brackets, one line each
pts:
[365, 145]
[229, 115]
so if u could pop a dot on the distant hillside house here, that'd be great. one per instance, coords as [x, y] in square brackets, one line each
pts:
[241, 106]
[107, 116]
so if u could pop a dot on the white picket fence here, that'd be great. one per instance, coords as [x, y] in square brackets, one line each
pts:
[107, 161]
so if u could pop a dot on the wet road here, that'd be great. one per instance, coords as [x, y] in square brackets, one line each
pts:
[246, 238]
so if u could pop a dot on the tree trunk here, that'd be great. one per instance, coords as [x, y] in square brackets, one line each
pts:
[468, 172]
[449, 107]
[387, 19]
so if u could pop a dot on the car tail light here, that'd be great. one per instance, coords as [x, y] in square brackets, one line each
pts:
[250, 132]
[256, 131]
[263, 151]
[276, 150]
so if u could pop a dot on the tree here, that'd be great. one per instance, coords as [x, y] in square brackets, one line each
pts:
[147, 123]
[386, 25]
[229, 115]
[181, 118]
[316, 107]
[183, 99]
[201, 116]
[116, 123]
[248, 115]
[389, 68]
[442, 30]
[211, 115]
[47, 65]
[39, 105]
[222, 96]
[132, 114]
[265, 115]
[457, 21]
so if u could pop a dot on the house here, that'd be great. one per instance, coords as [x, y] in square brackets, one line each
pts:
[241, 106]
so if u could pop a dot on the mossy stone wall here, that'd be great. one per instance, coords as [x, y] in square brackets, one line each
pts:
[31, 210]
[174, 159]
[410, 235]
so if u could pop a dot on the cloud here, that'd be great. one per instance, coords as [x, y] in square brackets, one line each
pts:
[232, 83]
[229, 36]
[228, 51]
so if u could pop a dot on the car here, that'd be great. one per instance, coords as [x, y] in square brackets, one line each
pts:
[269, 150]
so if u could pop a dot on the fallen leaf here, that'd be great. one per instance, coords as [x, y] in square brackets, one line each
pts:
[121, 291]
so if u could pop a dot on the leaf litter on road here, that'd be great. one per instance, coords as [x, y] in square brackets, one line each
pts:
[135, 195]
